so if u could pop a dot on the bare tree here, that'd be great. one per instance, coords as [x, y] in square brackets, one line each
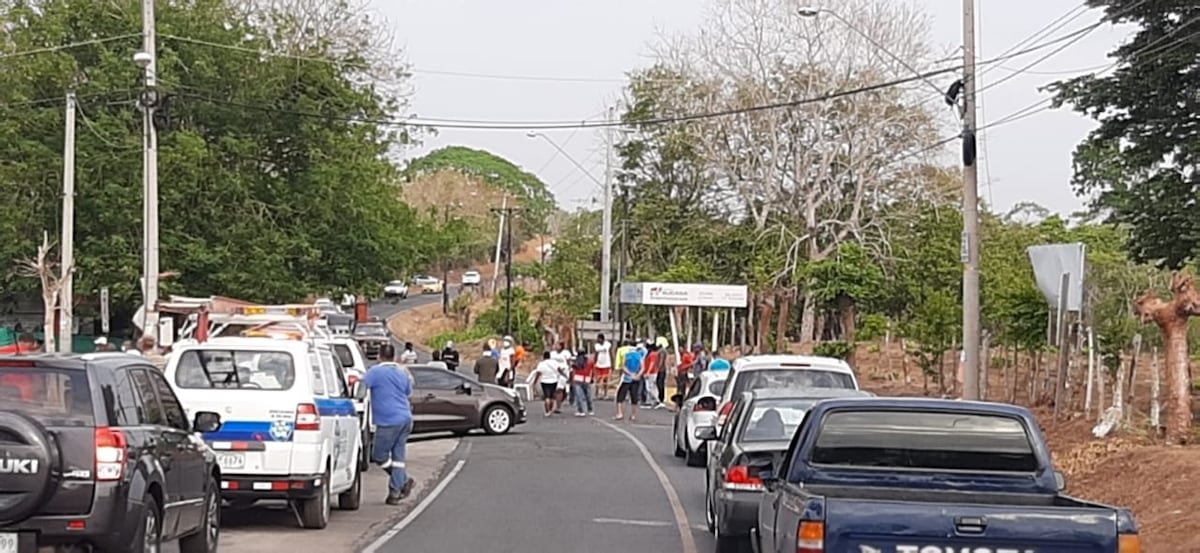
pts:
[43, 267]
[816, 173]
[1172, 317]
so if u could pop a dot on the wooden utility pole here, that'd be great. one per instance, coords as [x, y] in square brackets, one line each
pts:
[506, 214]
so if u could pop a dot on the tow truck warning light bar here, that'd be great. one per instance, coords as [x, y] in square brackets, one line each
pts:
[292, 310]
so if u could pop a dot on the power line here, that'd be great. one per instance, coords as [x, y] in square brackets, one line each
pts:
[1050, 28]
[72, 45]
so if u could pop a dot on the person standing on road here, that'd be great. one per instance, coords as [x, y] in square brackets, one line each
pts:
[507, 373]
[409, 357]
[562, 357]
[391, 386]
[653, 381]
[581, 384]
[450, 356]
[604, 366]
[486, 366]
[631, 382]
[436, 357]
[546, 374]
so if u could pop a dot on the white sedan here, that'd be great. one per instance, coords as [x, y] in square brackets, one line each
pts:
[395, 289]
[471, 278]
[699, 408]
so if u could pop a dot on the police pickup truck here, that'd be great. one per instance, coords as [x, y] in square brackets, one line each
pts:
[909, 475]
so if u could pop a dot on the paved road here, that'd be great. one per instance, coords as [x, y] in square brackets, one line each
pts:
[564, 484]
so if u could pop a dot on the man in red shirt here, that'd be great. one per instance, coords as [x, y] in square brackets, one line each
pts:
[583, 371]
[650, 396]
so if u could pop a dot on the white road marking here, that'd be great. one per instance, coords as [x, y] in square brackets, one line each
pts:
[656, 523]
[416, 512]
[681, 521]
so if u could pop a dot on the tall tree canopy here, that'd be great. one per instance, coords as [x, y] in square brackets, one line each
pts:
[271, 186]
[1141, 164]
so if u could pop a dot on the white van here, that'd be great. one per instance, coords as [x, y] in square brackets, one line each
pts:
[289, 425]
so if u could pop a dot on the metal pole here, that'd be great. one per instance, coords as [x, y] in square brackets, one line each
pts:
[970, 213]
[66, 299]
[150, 194]
[623, 261]
[606, 231]
[508, 273]
[445, 265]
[499, 243]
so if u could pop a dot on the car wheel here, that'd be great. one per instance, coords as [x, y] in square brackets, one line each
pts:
[209, 534]
[679, 452]
[708, 506]
[314, 512]
[497, 420]
[695, 458]
[148, 538]
[351, 499]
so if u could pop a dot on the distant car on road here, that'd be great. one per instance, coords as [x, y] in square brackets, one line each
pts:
[755, 372]
[445, 401]
[326, 305]
[97, 452]
[428, 284]
[757, 434]
[371, 335]
[395, 289]
[471, 278]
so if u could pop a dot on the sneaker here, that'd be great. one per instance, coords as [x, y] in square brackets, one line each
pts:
[580, 414]
[591, 413]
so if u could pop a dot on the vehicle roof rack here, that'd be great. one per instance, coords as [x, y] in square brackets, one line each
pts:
[287, 321]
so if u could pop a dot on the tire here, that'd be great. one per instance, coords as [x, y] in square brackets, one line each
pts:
[314, 512]
[351, 499]
[709, 517]
[497, 420]
[695, 458]
[148, 537]
[209, 534]
[679, 452]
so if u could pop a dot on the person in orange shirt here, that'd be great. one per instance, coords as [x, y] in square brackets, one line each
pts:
[653, 392]
[519, 354]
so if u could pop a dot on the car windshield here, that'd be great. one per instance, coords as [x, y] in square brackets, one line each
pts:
[370, 330]
[397, 283]
[53, 396]
[775, 419]
[759, 379]
[936, 441]
[237, 369]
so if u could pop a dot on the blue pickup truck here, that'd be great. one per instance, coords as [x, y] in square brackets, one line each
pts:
[916, 475]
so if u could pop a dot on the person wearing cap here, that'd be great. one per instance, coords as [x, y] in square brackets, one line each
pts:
[450, 356]
[102, 344]
[507, 371]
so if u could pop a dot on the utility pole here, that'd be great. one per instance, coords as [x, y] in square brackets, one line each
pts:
[506, 216]
[606, 231]
[445, 264]
[970, 214]
[66, 300]
[623, 261]
[499, 243]
[147, 59]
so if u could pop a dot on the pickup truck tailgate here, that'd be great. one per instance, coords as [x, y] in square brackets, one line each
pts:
[895, 527]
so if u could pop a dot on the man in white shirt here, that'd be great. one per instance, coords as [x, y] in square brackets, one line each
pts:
[409, 356]
[546, 374]
[506, 376]
[562, 357]
[604, 365]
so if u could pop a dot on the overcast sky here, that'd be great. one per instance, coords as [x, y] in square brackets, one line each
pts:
[564, 60]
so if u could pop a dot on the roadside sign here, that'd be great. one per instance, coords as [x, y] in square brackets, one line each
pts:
[104, 310]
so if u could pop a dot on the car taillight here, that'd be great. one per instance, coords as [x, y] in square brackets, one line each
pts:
[307, 417]
[724, 414]
[111, 451]
[1129, 543]
[810, 537]
[738, 477]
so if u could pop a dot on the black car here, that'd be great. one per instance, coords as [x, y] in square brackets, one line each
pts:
[96, 452]
[371, 336]
[758, 433]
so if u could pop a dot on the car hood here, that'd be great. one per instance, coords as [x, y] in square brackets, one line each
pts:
[494, 390]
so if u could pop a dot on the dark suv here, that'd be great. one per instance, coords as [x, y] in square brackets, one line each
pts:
[96, 451]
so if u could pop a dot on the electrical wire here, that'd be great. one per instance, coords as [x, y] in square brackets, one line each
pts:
[72, 45]
[1050, 27]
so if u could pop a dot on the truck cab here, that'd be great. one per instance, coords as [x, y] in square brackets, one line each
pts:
[916, 475]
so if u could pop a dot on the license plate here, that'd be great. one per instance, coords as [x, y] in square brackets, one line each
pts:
[8, 542]
[226, 460]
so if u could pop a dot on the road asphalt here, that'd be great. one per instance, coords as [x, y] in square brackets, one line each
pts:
[564, 484]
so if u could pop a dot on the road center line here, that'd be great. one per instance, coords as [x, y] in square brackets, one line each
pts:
[416, 512]
[681, 521]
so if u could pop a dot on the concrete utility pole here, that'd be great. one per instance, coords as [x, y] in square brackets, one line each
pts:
[506, 216]
[606, 231]
[623, 262]
[66, 299]
[970, 213]
[147, 59]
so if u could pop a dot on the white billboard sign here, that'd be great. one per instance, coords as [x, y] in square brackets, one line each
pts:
[694, 295]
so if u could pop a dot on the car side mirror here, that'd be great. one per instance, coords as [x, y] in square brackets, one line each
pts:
[206, 421]
[359, 390]
[705, 433]
[1060, 481]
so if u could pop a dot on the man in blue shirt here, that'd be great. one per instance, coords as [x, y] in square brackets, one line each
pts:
[391, 384]
[631, 383]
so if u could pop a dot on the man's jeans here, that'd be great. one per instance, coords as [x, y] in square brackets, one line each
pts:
[389, 452]
[583, 396]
